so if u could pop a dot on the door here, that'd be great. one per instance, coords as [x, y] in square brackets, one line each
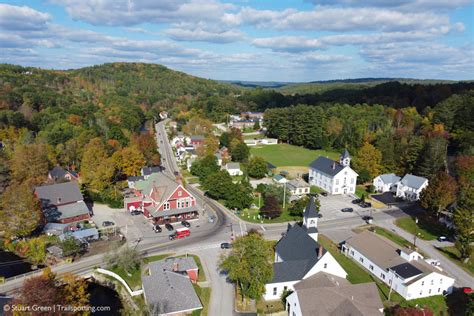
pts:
[345, 190]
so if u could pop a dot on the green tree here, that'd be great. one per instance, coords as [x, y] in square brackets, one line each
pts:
[368, 158]
[126, 258]
[256, 126]
[70, 246]
[239, 197]
[297, 207]
[249, 265]
[464, 226]
[20, 212]
[271, 208]
[96, 167]
[433, 157]
[239, 152]
[219, 185]
[257, 167]
[204, 167]
[440, 192]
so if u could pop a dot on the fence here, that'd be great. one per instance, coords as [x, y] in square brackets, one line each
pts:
[119, 278]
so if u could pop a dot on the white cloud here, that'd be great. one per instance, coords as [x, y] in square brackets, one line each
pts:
[22, 18]
[400, 4]
[203, 35]
[288, 43]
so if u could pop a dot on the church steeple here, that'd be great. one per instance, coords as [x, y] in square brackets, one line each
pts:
[345, 159]
[310, 218]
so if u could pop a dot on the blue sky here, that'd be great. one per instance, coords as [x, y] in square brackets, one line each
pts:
[265, 40]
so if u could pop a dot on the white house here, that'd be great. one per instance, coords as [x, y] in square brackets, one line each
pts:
[298, 256]
[332, 176]
[410, 187]
[402, 269]
[233, 168]
[326, 294]
[386, 183]
[298, 187]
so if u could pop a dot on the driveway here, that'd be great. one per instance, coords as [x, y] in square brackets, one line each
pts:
[332, 205]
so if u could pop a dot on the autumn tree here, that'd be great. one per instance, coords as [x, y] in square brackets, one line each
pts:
[41, 290]
[20, 212]
[96, 167]
[30, 164]
[257, 167]
[209, 146]
[368, 158]
[227, 138]
[249, 265]
[440, 192]
[271, 208]
[198, 126]
[74, 291]
[129, 161]
[146, 143]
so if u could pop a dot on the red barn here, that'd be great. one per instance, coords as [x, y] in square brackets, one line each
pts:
[197, 140]
[162, 199]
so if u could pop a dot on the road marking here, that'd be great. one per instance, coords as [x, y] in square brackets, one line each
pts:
[263, 228]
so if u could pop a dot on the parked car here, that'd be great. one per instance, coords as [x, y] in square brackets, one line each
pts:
[442, 238]
[324, 193]
[365, 204]
[169, 227]
[107, 223]
[185, 224]
[467, 290]
[180, 233]
[135, 213]
[347, 210]
[226, 245]
[157, 229]
[357, 201]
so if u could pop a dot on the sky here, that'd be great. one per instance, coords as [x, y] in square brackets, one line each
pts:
[264, 40]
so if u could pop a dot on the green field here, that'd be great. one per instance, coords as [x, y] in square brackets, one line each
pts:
[428, 228]
[289, 155]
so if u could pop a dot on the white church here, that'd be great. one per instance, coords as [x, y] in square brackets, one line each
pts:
[335, 177]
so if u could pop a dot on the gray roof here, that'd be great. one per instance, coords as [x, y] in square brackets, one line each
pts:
[167, 291]
[92, 233]
[326, 166]
[278, 177]
[233, 165]
[146, 171]
[311, 210]
[55, 228]
[345, 154]
[324, 294]
[55, 213]
[389, 178]
[60, 193]
[413, 181]
[135, 178]
[57, 172]
[297, 183]
[183, 263]
[299, 253]
[197, 137]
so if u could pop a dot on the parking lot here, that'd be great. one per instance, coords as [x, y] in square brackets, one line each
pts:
[332, 205]
[139, 227]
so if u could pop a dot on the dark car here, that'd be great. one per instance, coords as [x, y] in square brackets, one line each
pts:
[442, 238]
[169, 227]
[226, 245]
[347, 210]
[157, 229]
[357, 201]
[365, 204]
[324, 193]
[185, 224]
[107, 223]
[135, 213]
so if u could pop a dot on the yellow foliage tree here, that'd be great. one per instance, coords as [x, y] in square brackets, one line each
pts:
[368, 158]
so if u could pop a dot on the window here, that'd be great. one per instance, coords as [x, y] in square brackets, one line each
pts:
[422, 283]
[432, 282]
[390, 282]
[371, 267]
[325, 265]
[274, 291]
[180, 193]
[352, 252]
[166, 206]
[439, 290]
[361, 259]
[421, 293]
[440, 281]
[429, 292]
[337, 181]
[382, 276]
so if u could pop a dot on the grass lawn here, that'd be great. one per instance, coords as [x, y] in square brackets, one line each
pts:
[428, 228]
[360, 190]
[453, 254]
[204, 294]
[315, 189]
[133, 280]
[437, 304]
[289, 155]
[393, 237]
[155, 258]
[269, 307]
[252, 216]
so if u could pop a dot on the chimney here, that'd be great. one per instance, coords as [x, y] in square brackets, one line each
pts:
[320, 251]
[175, 267]
[333, 165]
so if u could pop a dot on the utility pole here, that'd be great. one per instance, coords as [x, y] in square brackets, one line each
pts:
[391, 286]
[416, 232]
[284, 195]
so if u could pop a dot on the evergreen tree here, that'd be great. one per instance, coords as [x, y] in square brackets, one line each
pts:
[433, 157]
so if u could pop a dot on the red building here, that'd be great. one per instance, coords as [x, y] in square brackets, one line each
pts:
[196, 140]
[161, 198]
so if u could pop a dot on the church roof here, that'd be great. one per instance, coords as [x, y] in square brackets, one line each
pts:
[326, 165]
[345, 154]
[311, 210]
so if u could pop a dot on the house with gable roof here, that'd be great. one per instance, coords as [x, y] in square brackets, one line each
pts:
[298, 256]
[335, 177]
[386, 182]
[162, 199]
[410, 187]
[58, 174]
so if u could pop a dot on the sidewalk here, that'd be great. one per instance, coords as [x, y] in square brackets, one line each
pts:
[462, 277]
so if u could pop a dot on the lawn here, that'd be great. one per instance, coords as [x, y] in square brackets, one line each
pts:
[361, 190]
[453, 254]
[252, 216]
[155, 258]
[393, 237]
[134, 280]
[289, 155]
[428, 228]
[356, 274]
[269, 307]
[204, 294]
